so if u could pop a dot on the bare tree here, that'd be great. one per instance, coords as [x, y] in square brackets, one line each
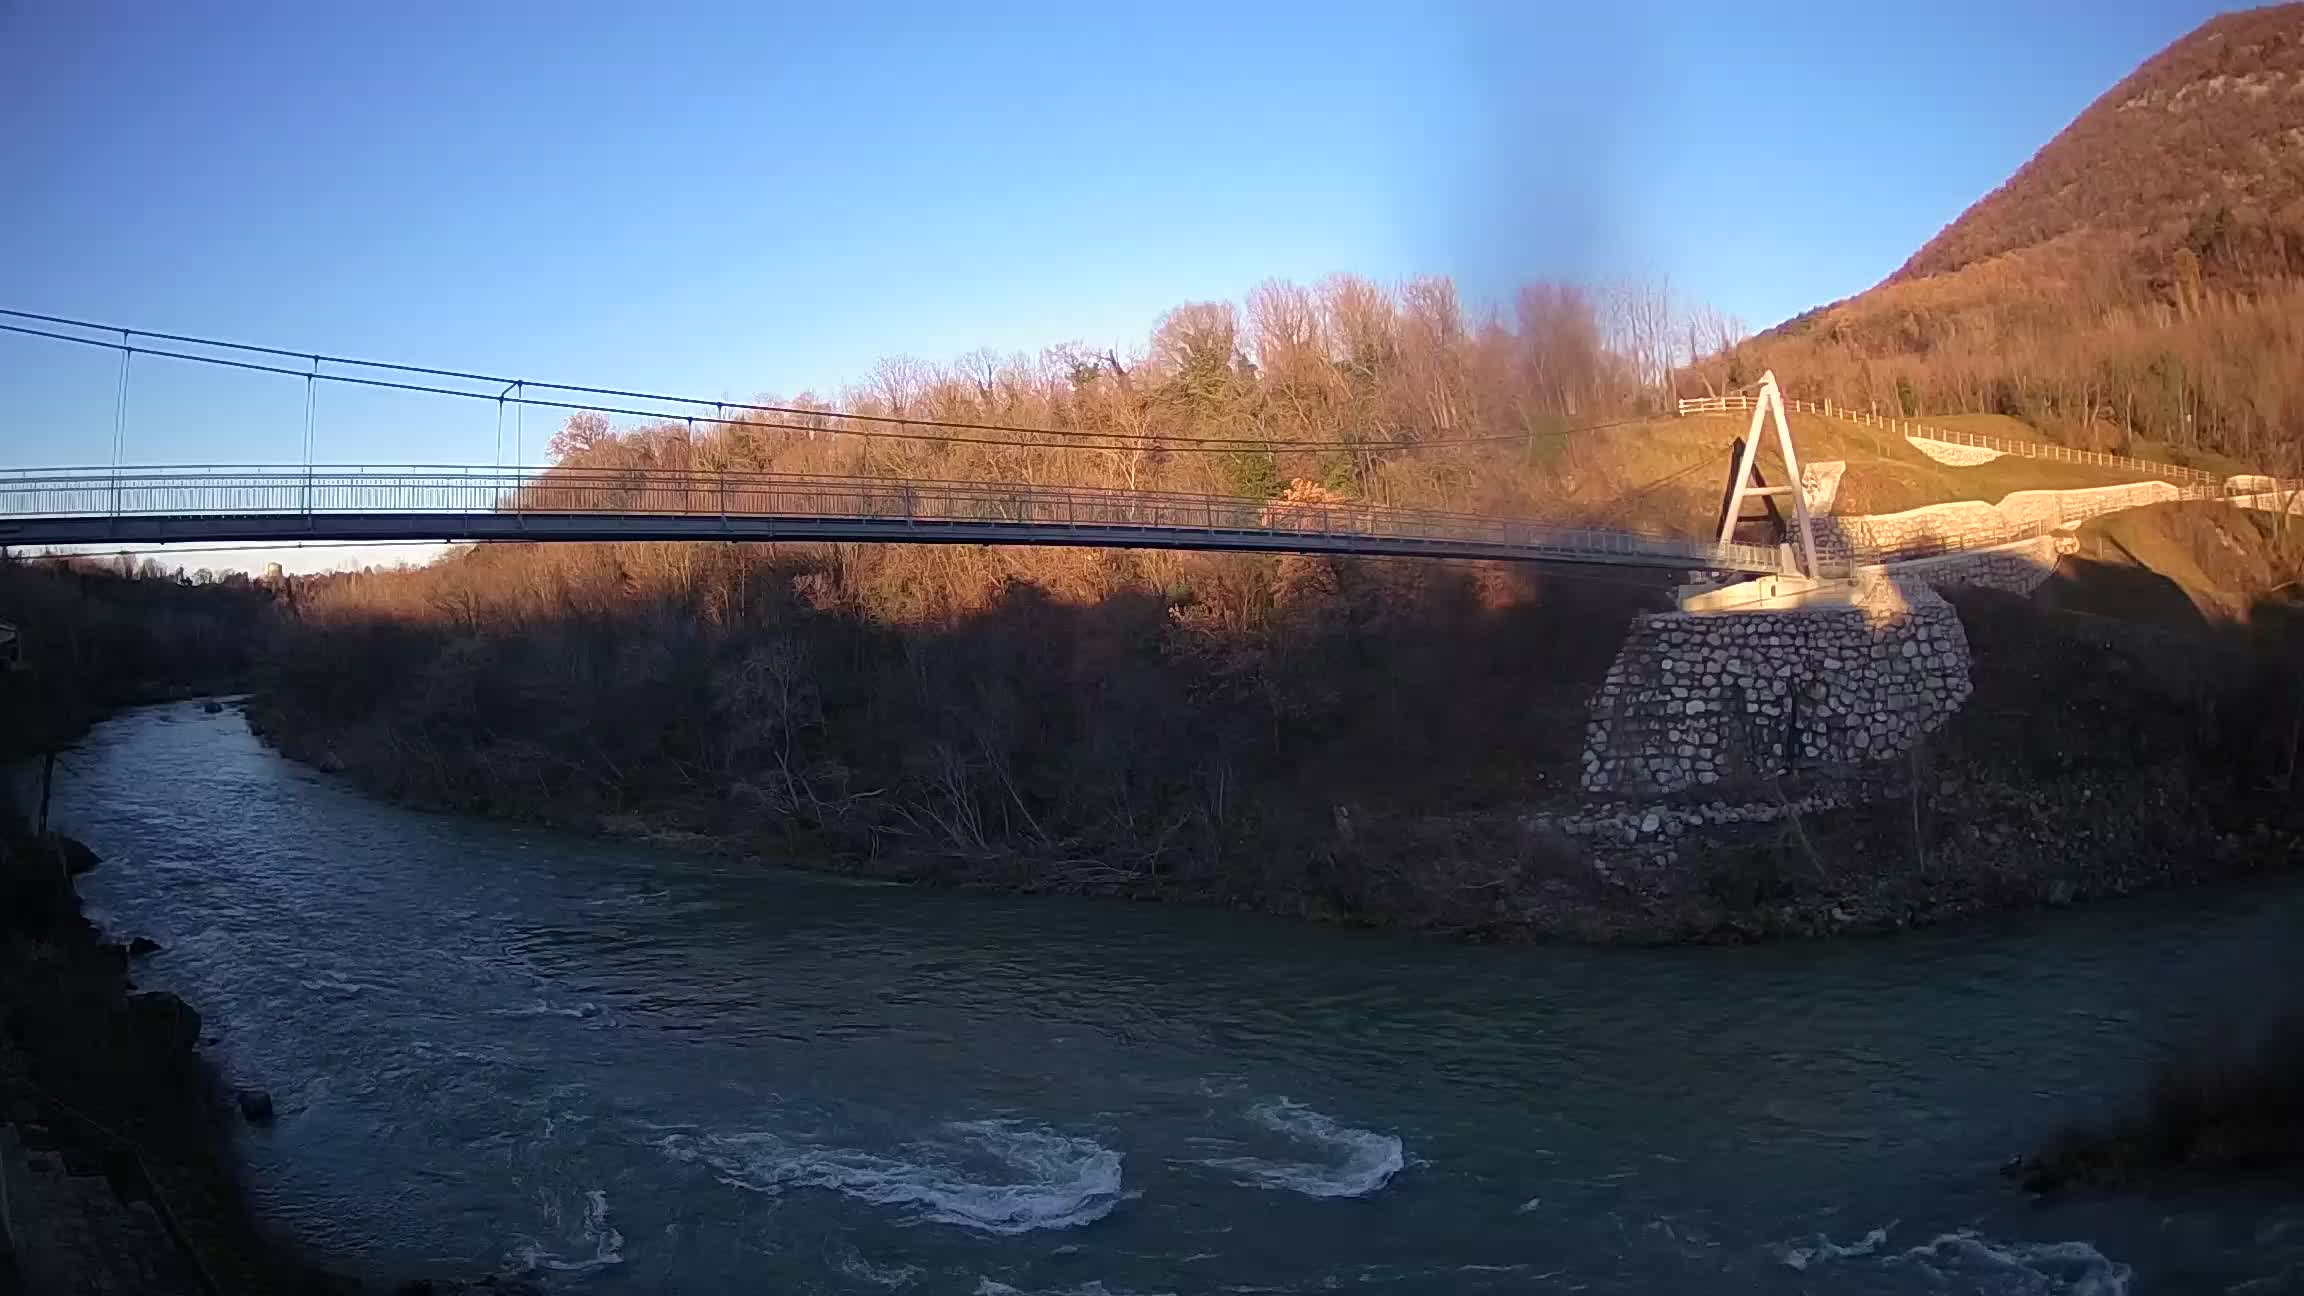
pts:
[1640, 327]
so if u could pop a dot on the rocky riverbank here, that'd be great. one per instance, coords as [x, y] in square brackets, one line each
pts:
[1839, 852]
[2094, 759]
[1465, 750]
[116, 1138]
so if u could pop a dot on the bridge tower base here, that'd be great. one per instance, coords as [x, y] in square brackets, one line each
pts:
[1767, 594]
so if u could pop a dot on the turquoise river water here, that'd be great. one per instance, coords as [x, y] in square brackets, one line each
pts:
[624, 1069]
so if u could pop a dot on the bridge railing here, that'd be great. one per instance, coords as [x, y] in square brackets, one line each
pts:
[1088, 515]
[2004, 445]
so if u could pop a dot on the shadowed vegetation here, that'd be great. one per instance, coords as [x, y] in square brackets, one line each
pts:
[98, 634]
[1206, 724]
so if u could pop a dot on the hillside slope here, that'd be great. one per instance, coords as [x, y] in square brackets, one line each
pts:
[2182, 564]
[2200, 143]
[2141, 277]
[1668, 474]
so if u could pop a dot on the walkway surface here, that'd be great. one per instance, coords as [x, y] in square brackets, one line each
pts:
[100, 506]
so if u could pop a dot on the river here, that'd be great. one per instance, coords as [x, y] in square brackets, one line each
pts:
[626, 1069]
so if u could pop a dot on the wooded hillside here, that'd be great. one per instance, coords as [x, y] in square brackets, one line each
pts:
[2142, 276]
[2200, 143]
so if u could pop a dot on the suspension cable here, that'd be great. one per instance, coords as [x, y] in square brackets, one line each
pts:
[1103, 441]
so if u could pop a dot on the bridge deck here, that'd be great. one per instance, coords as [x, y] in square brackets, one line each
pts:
[159, 505]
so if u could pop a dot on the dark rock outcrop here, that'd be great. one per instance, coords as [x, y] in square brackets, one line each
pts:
[255, 1105]
[130, 1180]
[77, 858]
[163, 1023]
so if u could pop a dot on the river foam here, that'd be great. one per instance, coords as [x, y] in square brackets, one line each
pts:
[1356, 1163]
[1090, 1287]
[607, 1245]
[2018, 1268]
[853, 1264]
[995, 1176]
[545, 1008]
[1967, 1261]
[1803, 1254]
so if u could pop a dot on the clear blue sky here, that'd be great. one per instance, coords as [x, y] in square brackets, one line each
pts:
[740, 198]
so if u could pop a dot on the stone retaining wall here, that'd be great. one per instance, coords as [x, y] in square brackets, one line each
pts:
[1692, 701]
[2018, 568]
[1974, 524]
[1954, 453]
[2062, 507]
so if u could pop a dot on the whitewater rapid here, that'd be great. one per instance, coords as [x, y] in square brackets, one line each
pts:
[1343, 1161]
[1966, 1261]
[1011, 1176]
[997, 1176]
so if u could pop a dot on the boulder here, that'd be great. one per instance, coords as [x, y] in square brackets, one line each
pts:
[167, 1023]
[255, 1105]
[140, 946]
[77, 858]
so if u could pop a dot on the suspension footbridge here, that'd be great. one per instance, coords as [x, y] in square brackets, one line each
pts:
[123, 503]
[106, 506]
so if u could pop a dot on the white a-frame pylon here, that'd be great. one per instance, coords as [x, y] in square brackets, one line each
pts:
[1770, 404]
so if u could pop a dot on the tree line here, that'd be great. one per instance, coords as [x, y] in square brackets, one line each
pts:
[1078, 718]
[1265, 730]
[101, 632]
[1396, 397]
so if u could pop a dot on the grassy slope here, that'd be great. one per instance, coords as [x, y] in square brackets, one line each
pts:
[2015, 429]
[2223, 560]
[1689, 457]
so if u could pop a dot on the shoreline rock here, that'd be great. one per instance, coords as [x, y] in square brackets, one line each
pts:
[114, 1130]
[255, 1105]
